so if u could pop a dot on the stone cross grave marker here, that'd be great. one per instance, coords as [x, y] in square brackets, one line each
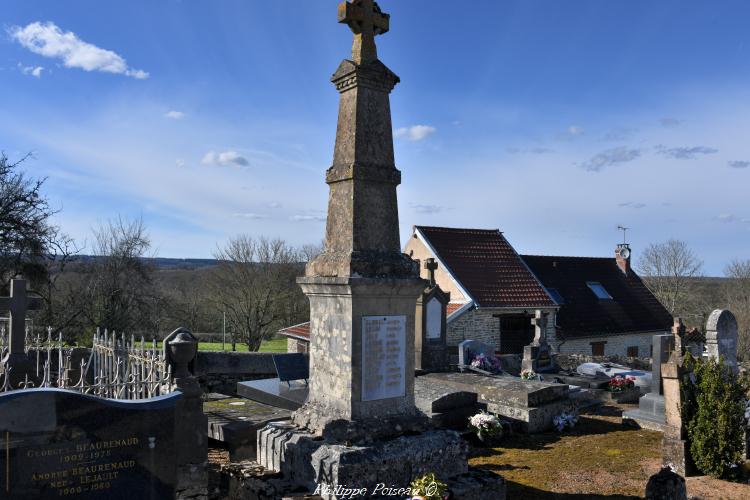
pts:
[431, 265]
[537, 356]
[722, 337]
[366, 20]
[18, 304]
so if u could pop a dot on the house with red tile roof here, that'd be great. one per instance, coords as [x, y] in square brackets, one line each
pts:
[596, 306]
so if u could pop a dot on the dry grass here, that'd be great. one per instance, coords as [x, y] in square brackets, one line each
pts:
[599, 459]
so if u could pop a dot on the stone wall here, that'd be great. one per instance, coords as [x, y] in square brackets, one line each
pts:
[297, 346]
[481, 324]
[220, 371]
[615, 345]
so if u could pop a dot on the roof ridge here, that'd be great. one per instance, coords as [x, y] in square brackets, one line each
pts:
[465, 229]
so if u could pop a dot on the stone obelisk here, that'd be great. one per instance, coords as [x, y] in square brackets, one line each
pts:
[362, 288]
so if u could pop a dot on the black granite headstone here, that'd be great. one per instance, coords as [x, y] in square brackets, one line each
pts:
[291, 367]
[63, 444]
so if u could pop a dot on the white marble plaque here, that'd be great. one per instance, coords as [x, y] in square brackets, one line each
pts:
[434, 319]
[383, 357]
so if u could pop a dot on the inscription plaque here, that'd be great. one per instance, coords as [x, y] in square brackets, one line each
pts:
[383, 357]
[60, 444]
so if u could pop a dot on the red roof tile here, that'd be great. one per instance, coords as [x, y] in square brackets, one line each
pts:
[452, 307]
[301, 331]
[487, 267]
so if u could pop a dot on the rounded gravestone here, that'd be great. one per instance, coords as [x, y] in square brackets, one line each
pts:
[666, 485]
[722, 337]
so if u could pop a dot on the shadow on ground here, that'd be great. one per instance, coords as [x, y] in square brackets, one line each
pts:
[518, 491]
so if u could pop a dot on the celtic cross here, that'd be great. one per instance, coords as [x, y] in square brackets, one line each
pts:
[366, 21]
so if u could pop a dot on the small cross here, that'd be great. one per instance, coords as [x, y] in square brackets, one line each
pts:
[431, 265]
[540, 326]
[17, 304]
[366, 20]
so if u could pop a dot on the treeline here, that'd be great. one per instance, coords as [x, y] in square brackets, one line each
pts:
[252, 286]
[674, 273]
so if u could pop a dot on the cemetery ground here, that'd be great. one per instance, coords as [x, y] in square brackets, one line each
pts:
[599, 458]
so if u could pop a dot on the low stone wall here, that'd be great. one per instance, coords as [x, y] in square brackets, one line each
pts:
[220, 371]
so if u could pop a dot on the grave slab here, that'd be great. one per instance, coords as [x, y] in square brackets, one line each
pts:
[273, 392]
[235, 422]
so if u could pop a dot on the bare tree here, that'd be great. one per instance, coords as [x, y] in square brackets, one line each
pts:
[667, 269]
[254, 283]
[738, 301]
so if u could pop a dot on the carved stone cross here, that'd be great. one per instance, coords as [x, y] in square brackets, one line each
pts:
[431, 265]
[17, 304]
[540, 327]
[366, 20]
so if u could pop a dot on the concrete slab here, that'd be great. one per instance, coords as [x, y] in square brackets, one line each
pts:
[274, 392]
[509, 390]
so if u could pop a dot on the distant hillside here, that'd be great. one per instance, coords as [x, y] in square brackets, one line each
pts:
[164, 263]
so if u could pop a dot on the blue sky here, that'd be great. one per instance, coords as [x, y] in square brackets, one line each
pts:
[553, 121]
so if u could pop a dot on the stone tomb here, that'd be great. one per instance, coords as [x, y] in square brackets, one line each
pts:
[445, 406]
[533, 404]
[64, 444]
[289, 390]
[431, 342]
[470, 348]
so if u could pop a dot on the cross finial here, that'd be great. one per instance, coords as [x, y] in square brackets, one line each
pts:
[366, 20]
[431, 265]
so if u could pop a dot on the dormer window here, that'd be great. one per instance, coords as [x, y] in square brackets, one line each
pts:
[600, 292]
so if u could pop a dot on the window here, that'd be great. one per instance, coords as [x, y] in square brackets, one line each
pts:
[555, 293]
[597, 348]
[633, 352]
[599, 290]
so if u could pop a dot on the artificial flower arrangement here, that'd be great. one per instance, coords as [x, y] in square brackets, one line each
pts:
[428, 487]
[530, 375]
[486, 426]
[565, 420]
[487, 363]
[619, 383]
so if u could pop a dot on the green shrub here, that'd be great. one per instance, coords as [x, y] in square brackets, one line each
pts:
[714, 413]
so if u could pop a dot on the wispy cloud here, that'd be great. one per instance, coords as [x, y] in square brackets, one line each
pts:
[571, 132]
[180, 163]
[35, 71]
[428, 209]
[250, 215]
[533, 151]
[275, 205]
[225, 159]
[726, 218]
[685, 153]
[611, 157]
[631, 204]
[415, 132]
[48, 40]
[619, 134]
[739, 164]
[174, 115]
[307, 217]
[669, 122]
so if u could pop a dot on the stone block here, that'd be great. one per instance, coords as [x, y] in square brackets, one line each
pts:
[531, 419]
[432, 397]
[509, 390]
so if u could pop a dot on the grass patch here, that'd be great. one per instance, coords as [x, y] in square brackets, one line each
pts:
[272, 345]
[599, 457]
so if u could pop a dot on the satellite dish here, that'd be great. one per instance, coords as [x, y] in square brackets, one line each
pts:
[625, 253]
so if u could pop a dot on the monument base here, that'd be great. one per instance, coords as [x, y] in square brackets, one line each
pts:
[329, 469]
[676, 455]
[649, 415]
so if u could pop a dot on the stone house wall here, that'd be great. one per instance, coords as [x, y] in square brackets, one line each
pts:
[615, 345]
[481, 324]
[297, 346]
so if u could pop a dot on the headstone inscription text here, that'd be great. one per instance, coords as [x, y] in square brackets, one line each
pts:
[59, 444]
[383, 357]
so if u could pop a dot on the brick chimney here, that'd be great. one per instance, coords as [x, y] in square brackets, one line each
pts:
[622, 257]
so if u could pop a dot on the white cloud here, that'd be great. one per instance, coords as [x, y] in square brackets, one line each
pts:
[305, 218]
[47, 40]
[275, 204]
[415, 132]
[225, 159]
[35, 71]
[685, 153]
[180, 163]
[739, 164]
[174, 115]
[250, 215]
[571, 132]
[427, 209]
